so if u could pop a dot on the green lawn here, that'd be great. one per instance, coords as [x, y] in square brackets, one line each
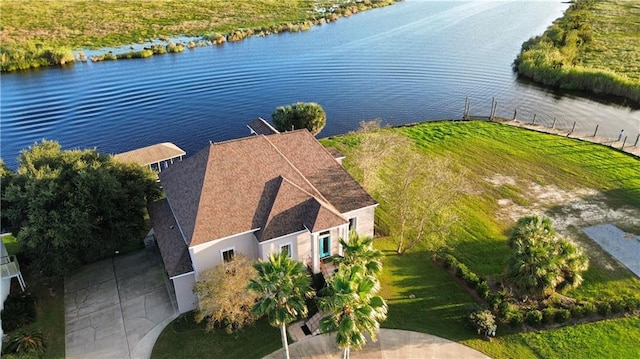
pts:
[183, 338]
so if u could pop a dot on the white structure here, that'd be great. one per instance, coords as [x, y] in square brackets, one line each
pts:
[9, 268]
[282, 192]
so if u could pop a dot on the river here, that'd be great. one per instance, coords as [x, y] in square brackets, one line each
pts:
[413, 61]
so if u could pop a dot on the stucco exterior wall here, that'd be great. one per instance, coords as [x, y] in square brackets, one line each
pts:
[300, 247]
[209, 255]
[365, 220]
[185, 297]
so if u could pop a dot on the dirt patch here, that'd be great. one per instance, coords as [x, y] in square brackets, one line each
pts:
[579, 208]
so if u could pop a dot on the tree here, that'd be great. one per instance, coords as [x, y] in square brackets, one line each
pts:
[299, 115]
[353, 306]
[69, 208]
[417, 194]
[283, 284]
[223, 297]
[374, 146]
[540, 263]
[359, 251]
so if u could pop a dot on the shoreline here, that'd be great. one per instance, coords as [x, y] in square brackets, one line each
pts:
[43, 56]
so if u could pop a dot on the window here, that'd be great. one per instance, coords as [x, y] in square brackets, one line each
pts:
[353, 224]
[227, 255]
[286, 249]
[325, 244]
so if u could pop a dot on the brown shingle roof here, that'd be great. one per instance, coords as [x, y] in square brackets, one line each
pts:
[318, 165]
[238, 186]
[294, 210]
[173, 249]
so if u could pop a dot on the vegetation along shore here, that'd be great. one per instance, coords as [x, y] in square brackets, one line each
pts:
[593, 47]
[36, 34]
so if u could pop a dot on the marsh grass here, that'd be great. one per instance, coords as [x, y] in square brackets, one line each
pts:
[594, 47]
[31, 27]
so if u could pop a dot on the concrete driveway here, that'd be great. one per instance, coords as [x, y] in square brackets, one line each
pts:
[116, 308]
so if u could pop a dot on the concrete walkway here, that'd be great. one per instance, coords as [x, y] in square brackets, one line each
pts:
[116, 308]
[401, 344]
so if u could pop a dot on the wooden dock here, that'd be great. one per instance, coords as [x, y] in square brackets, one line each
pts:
[156, 156]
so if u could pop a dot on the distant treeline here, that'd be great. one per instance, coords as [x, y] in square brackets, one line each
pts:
[26, 53]
[555, 58]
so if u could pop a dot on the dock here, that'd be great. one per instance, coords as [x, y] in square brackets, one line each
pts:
[156, 157]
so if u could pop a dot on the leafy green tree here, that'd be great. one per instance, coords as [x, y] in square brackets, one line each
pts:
[359, 251]
[283, 284]
[540, 263]
[353, 306]
[223, 297]
[299, 115]
[69, 208]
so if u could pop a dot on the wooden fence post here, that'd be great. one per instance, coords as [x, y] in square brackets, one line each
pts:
[515, 114]
[554, 123]
[534, 119]
[572, 128]
[637, 138]
[596, 131]
[623, 142]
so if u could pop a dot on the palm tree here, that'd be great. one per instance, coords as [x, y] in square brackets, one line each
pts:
[284, 284]
[353, 307]
[530, 227]
[359, 250]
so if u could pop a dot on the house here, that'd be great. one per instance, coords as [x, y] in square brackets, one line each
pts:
[255, 196]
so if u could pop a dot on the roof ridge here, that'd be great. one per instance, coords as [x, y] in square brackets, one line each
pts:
[322, 202]
[304, 178]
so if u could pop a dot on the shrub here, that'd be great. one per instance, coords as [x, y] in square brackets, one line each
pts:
[483, 290]
[26, 342]
[590, 308]
[617, 304]
[484, 322]
[19, 310]
[578, 311]
[631, 304]
[548, 315]
[449, 261]
[604, 308]
[533, 317]
[513, 316]
[562, 315]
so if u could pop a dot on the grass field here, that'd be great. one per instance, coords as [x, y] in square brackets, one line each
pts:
[479, 238]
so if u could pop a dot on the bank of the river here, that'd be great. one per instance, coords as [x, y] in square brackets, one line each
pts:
[593, 47]
[36, 34]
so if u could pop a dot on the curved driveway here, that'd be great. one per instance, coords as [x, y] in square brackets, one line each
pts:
[391, 344]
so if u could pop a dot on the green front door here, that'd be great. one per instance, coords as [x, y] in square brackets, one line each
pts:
[325, 245]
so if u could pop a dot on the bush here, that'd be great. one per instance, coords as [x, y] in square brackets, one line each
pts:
[631, 304]
[562, 315]
[483, 290]
[484, 322]
[449, 261]
[578, 311]
[590, 308]
[604, 308]
[617, 304]
[19, 310]
[548, 315]
[533, 317]
[513, 316]
[26, 342]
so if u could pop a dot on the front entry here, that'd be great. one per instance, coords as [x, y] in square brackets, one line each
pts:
[324, 244]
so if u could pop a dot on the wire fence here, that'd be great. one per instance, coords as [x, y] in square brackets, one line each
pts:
[556, 125]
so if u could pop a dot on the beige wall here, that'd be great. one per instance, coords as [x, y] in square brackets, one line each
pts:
[300, 246]
[365, 220]
[185, 297]
[209, 255]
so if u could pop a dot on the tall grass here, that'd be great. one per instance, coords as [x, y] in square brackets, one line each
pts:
[593, 47]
